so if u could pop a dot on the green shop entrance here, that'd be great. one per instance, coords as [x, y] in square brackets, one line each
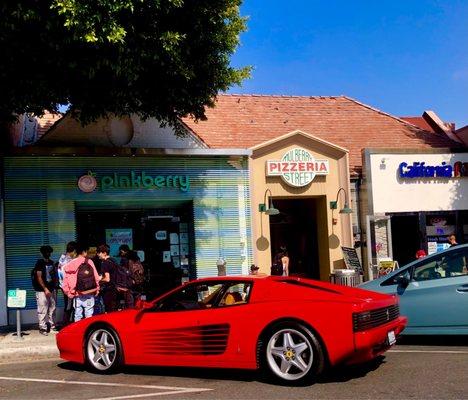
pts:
[182, 212]
[161, 232]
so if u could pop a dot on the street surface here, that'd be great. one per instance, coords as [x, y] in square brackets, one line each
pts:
[417, 369]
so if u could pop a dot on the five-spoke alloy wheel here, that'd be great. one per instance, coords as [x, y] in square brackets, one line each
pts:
[292, 353]
[103, 350]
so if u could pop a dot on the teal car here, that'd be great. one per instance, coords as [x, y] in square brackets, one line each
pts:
[433, 292]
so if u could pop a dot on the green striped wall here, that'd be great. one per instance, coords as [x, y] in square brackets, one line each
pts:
[41, 194]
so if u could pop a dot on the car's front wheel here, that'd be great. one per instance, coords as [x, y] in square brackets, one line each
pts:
[103, 350]
[292, 353]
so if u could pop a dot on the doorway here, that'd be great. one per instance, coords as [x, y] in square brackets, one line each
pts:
[406, 237]
[295, 228]
[163, 237]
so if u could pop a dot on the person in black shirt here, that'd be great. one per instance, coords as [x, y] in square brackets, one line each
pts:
[112, 291]
[45, 283]
[109, 294]
[452, 239]
[124, 251]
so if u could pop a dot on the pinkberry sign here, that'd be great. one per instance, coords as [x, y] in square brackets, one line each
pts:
[297, 167]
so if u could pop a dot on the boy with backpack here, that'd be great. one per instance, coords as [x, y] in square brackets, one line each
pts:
[116, 281]
[81, 283]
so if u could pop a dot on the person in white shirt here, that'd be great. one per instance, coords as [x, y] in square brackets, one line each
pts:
[70, 254]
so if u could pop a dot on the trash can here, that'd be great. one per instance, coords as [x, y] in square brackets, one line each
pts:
[347, 277]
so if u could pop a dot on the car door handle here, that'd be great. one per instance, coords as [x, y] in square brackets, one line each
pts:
[462, 289]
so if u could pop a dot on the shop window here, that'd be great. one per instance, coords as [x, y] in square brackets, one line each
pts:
[438, 228]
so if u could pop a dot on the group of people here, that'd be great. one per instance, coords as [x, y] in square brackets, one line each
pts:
[86, 289]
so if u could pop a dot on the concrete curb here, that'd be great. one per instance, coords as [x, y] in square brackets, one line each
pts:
[32, 346]
[28, 353]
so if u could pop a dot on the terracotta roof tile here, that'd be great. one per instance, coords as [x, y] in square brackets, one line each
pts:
[243, 121]
[45, 122]
[418, 121]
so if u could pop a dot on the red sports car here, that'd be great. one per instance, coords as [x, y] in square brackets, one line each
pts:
[288, 326]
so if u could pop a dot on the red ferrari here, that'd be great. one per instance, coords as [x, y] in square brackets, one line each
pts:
[287, 326]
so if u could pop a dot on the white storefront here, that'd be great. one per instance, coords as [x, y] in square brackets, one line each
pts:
[413, 200]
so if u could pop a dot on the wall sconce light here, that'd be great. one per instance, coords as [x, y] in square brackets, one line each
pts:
[334, 205]
[270, 209]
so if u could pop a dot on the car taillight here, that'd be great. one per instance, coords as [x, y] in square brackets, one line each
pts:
[372, 318]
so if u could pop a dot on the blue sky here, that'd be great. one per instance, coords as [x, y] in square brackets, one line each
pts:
[402, 57]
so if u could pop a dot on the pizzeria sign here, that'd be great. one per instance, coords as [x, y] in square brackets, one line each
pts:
[297, 167]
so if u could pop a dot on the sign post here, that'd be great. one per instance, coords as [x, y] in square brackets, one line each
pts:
[17, 299]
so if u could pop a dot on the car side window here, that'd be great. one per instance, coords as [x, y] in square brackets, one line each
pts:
[236, 294]
[191, 297]
[446, 265]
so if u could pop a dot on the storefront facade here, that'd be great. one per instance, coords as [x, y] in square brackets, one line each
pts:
[252, 121]
[414, 200]
[182, 212]
[299, 175]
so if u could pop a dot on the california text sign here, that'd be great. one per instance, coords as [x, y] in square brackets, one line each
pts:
[297, 167]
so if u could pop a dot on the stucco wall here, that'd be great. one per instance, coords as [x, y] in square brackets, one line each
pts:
[323, 188]
[391, 193]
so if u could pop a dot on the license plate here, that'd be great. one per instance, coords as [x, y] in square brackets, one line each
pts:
[391, 338]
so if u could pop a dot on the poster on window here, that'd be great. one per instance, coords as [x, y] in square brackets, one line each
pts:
[431, 247]
[174, 250]
[440, 225]
[184, 237]
[166, 256]
[184, 249]
[117, 237]
[174, 238]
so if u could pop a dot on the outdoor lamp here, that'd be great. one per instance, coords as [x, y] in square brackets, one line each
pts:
[270, 210]
[334, 205]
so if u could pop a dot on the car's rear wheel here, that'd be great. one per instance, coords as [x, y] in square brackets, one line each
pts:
[292, 353]
[103, 350]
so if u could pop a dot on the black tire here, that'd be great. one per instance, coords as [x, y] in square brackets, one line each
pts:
[103, 350]
[290, 353]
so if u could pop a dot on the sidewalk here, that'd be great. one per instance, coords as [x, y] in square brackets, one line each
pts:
[32, 346]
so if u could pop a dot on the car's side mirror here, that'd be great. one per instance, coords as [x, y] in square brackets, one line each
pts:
[143, 305]
[403, 280]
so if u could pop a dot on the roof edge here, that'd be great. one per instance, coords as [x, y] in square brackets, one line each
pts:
[385, 114]
[302, 133]
[123, 151]
[392, 150]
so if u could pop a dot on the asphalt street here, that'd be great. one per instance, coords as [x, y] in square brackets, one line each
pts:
[423, 369]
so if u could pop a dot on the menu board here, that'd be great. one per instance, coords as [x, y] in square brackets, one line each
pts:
[351, 259]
